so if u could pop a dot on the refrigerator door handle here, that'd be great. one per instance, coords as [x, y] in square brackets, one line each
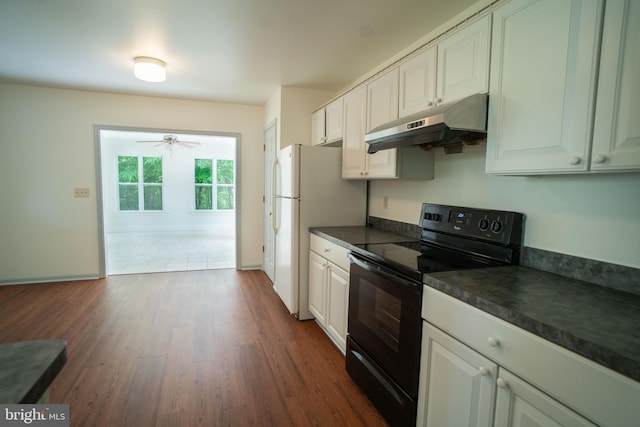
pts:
[274, 202]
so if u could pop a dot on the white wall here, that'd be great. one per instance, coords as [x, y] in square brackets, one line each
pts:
[47, 149]
[292, 108]
[595, 216]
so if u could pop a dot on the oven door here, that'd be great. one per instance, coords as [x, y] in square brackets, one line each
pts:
[384, 320]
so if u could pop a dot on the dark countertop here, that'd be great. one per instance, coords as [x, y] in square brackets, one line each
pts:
[599, 323]
[28, 368]
[347, 236]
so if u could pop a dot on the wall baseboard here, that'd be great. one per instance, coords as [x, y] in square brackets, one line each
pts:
[34, 280]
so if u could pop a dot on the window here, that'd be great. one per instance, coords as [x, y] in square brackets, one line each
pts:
[133, 191]
[214, 177]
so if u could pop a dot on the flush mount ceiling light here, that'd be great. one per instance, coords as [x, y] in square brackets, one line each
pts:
[149, 69]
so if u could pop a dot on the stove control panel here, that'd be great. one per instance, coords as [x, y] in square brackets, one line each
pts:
[491, 225]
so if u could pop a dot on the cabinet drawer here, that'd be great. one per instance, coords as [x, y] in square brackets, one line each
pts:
[596, 392]
[330, 251]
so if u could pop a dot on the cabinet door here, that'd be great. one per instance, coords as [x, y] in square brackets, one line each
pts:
[519, 404]
[417, 91]
[382, 99]
[353, 145]
[616, 134]
[317, 287]
[463, 62]
[382, 107]
[337, 298]
[457, 384]
[333, 120]
[543, 69]
[318, 127]
[382, 164]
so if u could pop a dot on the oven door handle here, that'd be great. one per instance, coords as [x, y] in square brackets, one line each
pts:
[386, 273]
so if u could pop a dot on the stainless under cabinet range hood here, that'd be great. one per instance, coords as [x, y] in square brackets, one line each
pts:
[448, 125]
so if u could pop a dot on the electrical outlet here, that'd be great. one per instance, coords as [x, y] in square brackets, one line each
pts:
[385, 202]
[80, 192]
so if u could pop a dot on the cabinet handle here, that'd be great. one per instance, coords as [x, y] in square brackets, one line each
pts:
[430, 104]
[599, 158]
[484, 371]
[438, 100]
[327, 250]
[502, 383]
[493, 342]
[574, 160]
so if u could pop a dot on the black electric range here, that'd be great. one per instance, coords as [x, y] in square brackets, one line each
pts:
[452, 238]
[385, 296]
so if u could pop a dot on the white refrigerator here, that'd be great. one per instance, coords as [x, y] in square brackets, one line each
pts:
[308, 192]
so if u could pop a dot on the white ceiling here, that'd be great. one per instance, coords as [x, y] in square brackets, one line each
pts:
[221, 50]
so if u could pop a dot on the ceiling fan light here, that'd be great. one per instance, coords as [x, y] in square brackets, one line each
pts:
[149, 69]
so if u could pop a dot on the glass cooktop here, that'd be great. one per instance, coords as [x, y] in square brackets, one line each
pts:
[413, 259]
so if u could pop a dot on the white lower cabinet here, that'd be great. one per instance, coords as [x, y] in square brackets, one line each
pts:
[337, 297]
[478, 370]
[329, 288]
[457, 384]
[519, 404]
[458, 388]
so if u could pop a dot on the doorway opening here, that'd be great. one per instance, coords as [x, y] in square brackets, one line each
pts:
[168, 200]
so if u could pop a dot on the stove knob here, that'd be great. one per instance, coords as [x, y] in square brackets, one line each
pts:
[496, 226]
[484, 224]
[437, 217]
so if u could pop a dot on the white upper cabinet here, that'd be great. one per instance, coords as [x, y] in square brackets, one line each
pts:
[318, 127]
[365, 108]
[326, 124]
[456, 67]
[382, 99]
[418, 82]
[333, 121]
[382, 107]
[543, 84]
[463, 62]
[616, 134]
[353, 145]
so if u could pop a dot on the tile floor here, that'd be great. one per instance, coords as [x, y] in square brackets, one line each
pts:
[150, 252]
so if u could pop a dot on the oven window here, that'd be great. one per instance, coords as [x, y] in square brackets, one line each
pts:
[380, 312]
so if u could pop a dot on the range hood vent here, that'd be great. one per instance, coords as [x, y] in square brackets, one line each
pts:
[448, 125]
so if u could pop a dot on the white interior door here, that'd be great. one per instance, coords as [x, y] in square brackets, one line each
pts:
[269, 249]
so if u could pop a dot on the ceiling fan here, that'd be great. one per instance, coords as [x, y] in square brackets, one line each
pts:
[171, 140]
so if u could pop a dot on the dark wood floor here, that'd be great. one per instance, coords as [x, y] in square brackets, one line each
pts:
[198, 348]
